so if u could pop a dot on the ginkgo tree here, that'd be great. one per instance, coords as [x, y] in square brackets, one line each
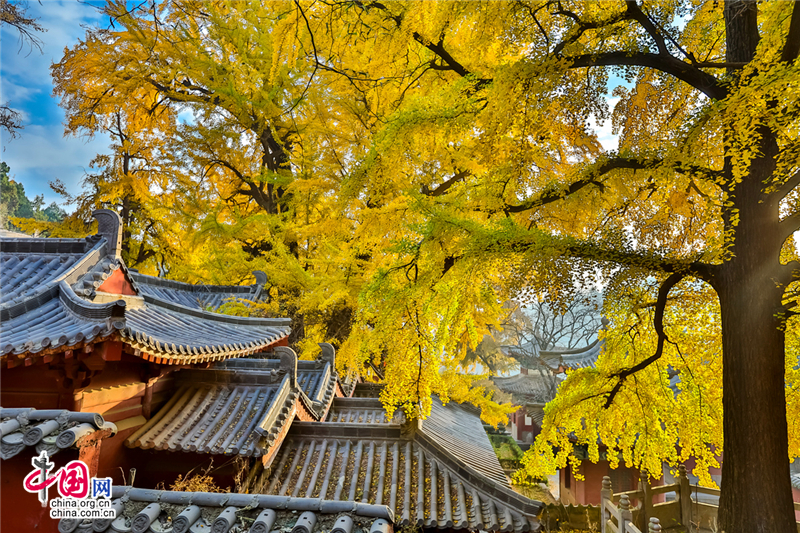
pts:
[400, 169]
[690, 219]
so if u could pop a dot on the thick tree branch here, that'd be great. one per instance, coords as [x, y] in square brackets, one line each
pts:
[658, 324]
[583, 27]
[449, 62]
[445, 185]
[789, 225]
[591, 178]
[635, 12]
[702, 81]
[792, 46]
[594, 173]
[592, 251]
[789, 185]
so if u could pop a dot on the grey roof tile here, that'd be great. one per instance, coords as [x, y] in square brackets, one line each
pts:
[141, 510]
[358, 410]
[206, 297]
[461, 432]
[407, 476]
[215, 419]
[50, 430]
[238, 407]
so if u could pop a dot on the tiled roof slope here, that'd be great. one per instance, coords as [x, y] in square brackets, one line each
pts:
[358, 411]
[141, 510]
[28, 263]
[218, 418]
[375, 464]
[50, 430]
[191, 335]
[452, 427]
[207, 297]
[458, 429]
[46, 292]
[239, 407]
[313, 377]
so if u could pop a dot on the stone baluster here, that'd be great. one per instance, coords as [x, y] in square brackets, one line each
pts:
[684, 496]
[625, 514]
[605, 496]
[647, 499]
[654, 526]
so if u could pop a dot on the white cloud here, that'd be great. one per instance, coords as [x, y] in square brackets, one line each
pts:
[604, 135]
[45, 155]
[41, 153]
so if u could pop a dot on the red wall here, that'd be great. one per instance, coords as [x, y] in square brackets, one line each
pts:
[796, 497]
[20, 510]
[587, 491]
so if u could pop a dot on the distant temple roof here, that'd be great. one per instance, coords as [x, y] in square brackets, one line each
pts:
[60, 294]
[537, 386]
[534, 387]
[572, 358]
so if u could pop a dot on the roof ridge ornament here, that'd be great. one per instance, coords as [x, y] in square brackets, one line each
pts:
[288, 363]
[328, 354]
[109, 225]
[261, 277]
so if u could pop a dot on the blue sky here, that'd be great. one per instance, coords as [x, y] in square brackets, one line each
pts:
[41, 153]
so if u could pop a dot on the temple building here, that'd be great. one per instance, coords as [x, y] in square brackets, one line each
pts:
[141, 379]
[532, 389]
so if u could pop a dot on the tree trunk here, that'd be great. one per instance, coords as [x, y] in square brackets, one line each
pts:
[756, 490]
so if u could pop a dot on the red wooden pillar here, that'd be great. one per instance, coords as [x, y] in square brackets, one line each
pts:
[89, 449]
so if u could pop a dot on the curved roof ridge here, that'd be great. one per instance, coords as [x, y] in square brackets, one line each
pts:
[146, 279]
[217, 317]
[572, 351]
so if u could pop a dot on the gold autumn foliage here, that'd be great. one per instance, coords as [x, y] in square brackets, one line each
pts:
[401, 169]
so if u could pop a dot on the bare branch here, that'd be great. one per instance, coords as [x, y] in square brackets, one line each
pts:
[16, 16]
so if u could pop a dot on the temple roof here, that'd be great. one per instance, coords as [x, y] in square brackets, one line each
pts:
[240, 406]
[54, 296]
[443, 474]
[206, 297]
[572, 358]
[537, 386]
[141, 510]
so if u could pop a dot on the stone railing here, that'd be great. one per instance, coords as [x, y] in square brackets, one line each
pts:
[619, 515]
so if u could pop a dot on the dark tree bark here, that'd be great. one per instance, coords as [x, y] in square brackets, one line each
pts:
[756, 489]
